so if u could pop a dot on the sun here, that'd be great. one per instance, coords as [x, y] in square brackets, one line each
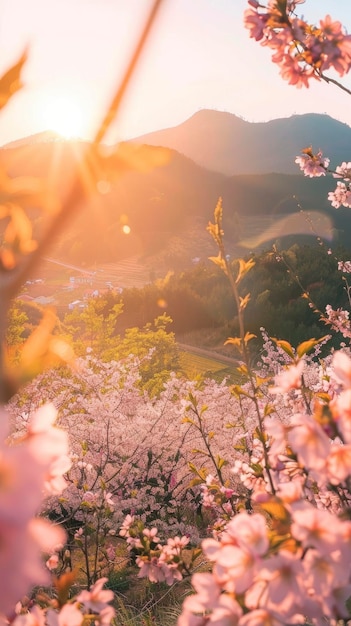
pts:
[63, 115]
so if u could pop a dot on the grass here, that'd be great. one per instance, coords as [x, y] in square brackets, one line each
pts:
[194, 365]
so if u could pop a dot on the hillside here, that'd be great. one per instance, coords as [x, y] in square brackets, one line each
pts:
[226, 143]
[175, 200]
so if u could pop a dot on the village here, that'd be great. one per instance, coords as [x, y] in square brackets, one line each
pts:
[67, 287]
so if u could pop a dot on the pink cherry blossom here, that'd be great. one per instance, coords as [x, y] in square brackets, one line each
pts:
[52, 562]
[309, 441]
[69, 615]
[289, 379]
[318, 529]
[343, 171]
[341, 196]
[255, 23]
[208, 600]
[249, 532]
[341, 411]
[284, 591]
[260, 617]
[313, 165]
[339, 463]
[97, 598]
[234, 567]
[341, 367]
[36, 617]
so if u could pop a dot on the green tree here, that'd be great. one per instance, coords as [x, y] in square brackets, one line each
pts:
[93, 327]
[157, 349]
[16, 330]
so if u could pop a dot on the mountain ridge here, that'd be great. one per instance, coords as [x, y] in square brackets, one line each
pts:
[222, 141]
[165, 201]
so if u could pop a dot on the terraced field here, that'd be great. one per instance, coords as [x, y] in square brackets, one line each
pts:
[193, 364]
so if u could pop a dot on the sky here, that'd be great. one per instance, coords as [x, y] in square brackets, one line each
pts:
[198, 56]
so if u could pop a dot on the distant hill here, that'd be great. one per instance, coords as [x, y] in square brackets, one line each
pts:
[43, 137]
[226, 143]
[179, 197]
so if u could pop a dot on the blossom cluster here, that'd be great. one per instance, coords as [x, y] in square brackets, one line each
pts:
[30, 467]
[288, 559]
[314, 165]
[93, 604]
[138, 458]
[157, 561]
[301, 50]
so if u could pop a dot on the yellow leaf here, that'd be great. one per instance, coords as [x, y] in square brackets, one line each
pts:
[248, 337]
[217, 260]
[243, 370]
[221, 462]
[244, 301]
[218, 212]
[308, 151]
[274, 507]
[286, 346]
[215, 229]
[244, 268]
[64, 586]
[234, 341]
[239, 391]
[7, 258]
[306, 346]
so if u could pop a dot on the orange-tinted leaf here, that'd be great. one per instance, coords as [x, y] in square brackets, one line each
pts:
[306, 346]
[7, 257]
[10, 82]
[244, 268]
[42, 349]
[276, 510]
[217, 260]
[233, 341]
[63, 586]
[248, 337]
[285, 345]
[21, 224]
[244, 301]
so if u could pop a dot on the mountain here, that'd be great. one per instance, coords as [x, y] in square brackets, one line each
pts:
[226, 143]
[163, 204]
[47, 136]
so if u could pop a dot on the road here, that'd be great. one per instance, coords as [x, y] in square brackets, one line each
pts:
[226, 360]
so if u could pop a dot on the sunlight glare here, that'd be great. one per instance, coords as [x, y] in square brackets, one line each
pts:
[63, 115]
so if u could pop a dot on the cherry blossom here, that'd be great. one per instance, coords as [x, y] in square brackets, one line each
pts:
[341, 196]
[289, 378]
[313, 165]
[301, 50]
[69, 615]
[97, 598]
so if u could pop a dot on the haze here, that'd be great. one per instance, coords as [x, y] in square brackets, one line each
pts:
[199, 56]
